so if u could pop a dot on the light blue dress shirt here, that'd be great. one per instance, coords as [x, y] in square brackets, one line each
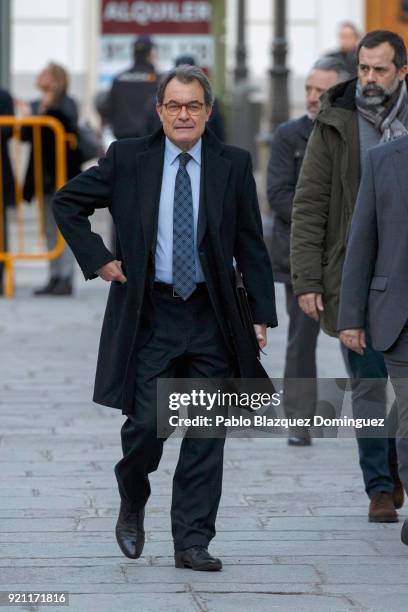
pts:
[164, 245]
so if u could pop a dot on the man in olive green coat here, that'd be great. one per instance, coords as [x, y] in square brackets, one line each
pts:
[355, 115]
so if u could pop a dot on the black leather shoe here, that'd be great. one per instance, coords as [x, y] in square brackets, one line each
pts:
[404, 532]
[299, 441]
[63, 286]
[130, 531]
[398, 492]
[197, 558]
[48, 288]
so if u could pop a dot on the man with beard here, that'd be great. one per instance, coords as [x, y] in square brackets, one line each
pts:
[354, 116]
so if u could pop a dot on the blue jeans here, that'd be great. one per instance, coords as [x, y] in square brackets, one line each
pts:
[369, 399]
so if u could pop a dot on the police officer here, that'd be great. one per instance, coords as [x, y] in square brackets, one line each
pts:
[125, 107]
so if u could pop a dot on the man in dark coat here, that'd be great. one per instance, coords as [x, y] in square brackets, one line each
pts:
[125, 107]
[287, 151]
[184, 205]
[6, 173]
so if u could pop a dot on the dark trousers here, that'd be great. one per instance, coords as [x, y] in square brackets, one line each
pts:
[300, 395]
[369, 400]
[186, 342]
[3, 242]
[396, 359]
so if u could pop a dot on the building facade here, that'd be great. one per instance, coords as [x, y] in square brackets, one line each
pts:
[68, 32]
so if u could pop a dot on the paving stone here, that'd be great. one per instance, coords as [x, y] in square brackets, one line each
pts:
[292, 528]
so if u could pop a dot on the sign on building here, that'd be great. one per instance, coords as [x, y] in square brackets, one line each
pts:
[178, 27]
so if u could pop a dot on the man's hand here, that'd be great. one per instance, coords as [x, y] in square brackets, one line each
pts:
[354, 339]
[311, 304]
[260, 333]
[112, 271]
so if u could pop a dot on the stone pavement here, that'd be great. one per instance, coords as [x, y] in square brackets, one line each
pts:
[292, 526]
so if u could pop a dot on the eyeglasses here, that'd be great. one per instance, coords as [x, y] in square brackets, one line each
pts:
[174, 108]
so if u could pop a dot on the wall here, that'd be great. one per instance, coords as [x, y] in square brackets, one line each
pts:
[67, 31]
[311, 31]
[64, 31]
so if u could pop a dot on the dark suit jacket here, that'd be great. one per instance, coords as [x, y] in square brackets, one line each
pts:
[6, 108]
[128, 180]
[288, 148]
[374, 288]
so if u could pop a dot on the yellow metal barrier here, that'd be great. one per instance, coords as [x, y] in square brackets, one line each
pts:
[61, 138]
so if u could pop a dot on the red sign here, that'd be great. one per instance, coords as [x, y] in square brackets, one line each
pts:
[156, 17]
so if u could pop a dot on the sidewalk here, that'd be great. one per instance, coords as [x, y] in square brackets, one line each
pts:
[292, 527]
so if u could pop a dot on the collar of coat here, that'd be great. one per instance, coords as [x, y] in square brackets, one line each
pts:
[342, 97]
[304, 126]
[338, 108]
[215, 169]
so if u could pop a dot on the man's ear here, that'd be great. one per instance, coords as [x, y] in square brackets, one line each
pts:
[402, 72]
[159, 111]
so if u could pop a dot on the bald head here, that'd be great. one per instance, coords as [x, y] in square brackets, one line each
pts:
[348, 37]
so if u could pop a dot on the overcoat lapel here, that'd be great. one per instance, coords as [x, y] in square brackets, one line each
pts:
[215, 171]
[399, 158]
[149, 179]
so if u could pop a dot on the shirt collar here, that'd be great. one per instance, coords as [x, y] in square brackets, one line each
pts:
[171, 151]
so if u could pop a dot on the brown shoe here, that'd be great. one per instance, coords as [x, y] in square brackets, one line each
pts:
[398, 492]
[382, 509]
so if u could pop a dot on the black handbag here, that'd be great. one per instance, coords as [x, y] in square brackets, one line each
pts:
[90, 144]
[244, 310]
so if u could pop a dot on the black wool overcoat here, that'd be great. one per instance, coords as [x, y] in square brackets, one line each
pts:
[128, 181]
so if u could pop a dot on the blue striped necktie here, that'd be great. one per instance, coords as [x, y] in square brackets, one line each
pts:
[184, 269]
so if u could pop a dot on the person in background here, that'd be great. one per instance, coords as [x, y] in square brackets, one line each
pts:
[6, 174]
[287, 151]
[345, 55]
[55, 102]
[354, 116]
[125, 107]
[215, 123]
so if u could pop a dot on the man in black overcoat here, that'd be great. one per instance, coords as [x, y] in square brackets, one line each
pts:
[184, 206]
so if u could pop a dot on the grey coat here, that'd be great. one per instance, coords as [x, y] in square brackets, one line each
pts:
[374, 289]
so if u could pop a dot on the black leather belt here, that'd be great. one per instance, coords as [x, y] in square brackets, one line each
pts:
[166, 289]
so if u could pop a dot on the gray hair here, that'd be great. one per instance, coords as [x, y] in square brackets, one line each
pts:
[186, 74]
[331, 64]
[352, 26]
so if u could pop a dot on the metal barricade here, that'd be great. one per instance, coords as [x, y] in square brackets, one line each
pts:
[36, 123]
